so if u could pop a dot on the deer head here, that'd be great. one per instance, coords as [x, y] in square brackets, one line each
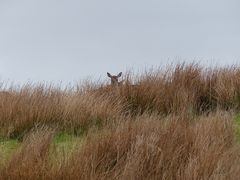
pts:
[115, 79]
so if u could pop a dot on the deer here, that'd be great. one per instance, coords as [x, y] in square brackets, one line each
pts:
[115, 79]
[116, 86]
[122, 85]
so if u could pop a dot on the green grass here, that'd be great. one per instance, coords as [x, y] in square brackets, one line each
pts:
[8, 147]
[65, 140]
[62, 143]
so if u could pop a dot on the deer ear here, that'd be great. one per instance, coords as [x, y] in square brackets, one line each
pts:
[120, 74]
[109, 75]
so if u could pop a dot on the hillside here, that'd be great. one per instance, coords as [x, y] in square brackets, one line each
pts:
[178, 123]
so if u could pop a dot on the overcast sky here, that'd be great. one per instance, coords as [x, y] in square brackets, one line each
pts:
[68, 40]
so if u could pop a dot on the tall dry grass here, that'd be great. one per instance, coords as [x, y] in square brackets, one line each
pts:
[30, 161]
[169, 124]
[147, 147]
[184, 88]
[40, 105]
[158, 148]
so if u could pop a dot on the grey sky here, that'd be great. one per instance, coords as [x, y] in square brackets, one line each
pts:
[67, 40]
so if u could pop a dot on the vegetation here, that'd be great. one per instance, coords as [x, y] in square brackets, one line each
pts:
[177, 123]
